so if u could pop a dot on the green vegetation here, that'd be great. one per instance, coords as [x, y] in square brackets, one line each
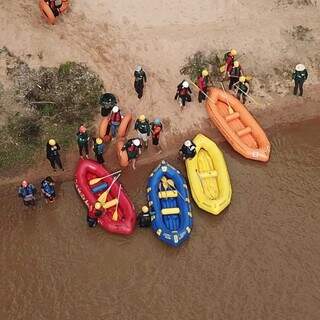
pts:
[56, 101]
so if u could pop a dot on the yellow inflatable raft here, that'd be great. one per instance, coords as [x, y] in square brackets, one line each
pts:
[208, 176]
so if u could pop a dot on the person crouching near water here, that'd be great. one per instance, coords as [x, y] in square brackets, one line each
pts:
[142, 127]
[27, 192]
[83, 141]
[97, 213]
[133, 148]
[98, 149]
[47, 188]
[184, 93]
[299, 76]
[53, 154]
[242, 89]
[156, 128]
[202, 83]
[188, 150]
[144, 218]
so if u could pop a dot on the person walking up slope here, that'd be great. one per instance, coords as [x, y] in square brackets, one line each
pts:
[202, 83]
[98, 149]
[139, 79]
[300, 75]
[156, 128]
[83, 141]
[184, 93]
[143, 129]
[53, 154]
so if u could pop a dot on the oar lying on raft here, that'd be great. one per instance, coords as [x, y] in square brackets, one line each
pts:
[96, 180]
[115, 214]
[103, 196]
[168, 182]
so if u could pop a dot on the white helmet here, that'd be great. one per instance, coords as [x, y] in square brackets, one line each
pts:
[138, 68]
[300, 67]
[187, 143]
[136, 142]
[185, 84]
[115, 109]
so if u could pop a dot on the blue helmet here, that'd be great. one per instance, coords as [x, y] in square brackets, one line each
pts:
[157, 121]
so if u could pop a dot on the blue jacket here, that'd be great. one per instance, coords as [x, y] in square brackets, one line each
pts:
[47, 187]
[29, 189]
[98, 148]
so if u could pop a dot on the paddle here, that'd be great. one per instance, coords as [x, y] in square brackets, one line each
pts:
[169, 183]
[96, 180]
[103, 196]
[115, 214]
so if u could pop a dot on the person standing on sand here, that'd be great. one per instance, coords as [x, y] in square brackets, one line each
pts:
[83, 141]
[27, 192]
[139, 79]
[144, 218]
[242, 87]
[98, 149]
[188, 150]
[235, 74]
[184, 93]
[229, 59]
[53, 154]
[133, 148]
[156, 128]
[299, 75]
[142, 127]
[202, 83]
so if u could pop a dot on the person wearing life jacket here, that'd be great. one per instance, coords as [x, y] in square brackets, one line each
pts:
[139, 79]
[235, 74]
[202, 83]
[144, 218]
[47, 188]
[299, 75]
[142, 126]
[92, 219]
[98, 148]
[229, 59]
[133, 148]
[183, 92]
[53, 154]
[27, 192]
[83, 141]
[115, 120]
[242, 89]
[156, 128]
[55, 5]
[188, 150]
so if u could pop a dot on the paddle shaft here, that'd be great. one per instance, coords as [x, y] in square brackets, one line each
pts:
[96, 180]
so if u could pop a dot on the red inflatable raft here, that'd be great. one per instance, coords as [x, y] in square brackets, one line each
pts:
[125, 219]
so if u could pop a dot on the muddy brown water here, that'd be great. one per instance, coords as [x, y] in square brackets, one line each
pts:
[258, 260]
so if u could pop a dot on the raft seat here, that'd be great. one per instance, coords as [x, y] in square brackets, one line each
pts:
[232, 116]
[244, 131]
[208, 174]
[110, 204]
[169, 211]
[168, 194]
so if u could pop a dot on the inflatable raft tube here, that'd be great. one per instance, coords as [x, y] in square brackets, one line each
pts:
[104, 130]
[121, 139]
[47, 12]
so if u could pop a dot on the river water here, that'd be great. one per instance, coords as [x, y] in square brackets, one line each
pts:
[258, 260]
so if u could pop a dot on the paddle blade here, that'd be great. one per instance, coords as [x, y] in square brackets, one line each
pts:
[115, 215]
[103, 197]
[94, 181]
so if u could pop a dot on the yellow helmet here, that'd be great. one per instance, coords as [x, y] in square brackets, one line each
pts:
[145, 209]
[242, 79]
[142, 117]
[97, 205]
[233, 52]
[99, 141]
[205, 72]
[52, 142]
[236, 64]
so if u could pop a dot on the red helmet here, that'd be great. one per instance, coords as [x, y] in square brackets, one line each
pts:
[82, 129]
[24, 183]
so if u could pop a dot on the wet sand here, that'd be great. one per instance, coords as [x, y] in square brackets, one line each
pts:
[258, 260]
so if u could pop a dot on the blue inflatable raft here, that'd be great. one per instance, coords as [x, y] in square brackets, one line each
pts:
[169, 203]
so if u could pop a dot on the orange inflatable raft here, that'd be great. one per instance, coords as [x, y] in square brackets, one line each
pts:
[121, 139]
[47, 12]
[104, 131]
[237, 125]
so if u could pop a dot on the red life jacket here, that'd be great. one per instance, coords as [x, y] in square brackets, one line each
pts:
[156, 129]
[132, 148]
[115, 117]
[202, 83]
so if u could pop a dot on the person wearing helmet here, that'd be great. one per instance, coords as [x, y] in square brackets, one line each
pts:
[142, 126]
[144, 218]
[96, 212]
[183, 92]
[242, 89]
[299, 76]
[47, 188]
[156, 128]
[55, 5]
[235, 74]
[107, 102]
[98, 149]
[83, 141]
[139, 79]
[188, 150]
[229, 59]
[115, 120]
[133, 148]
[53, 154]
[202, 83]
[27, 192]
